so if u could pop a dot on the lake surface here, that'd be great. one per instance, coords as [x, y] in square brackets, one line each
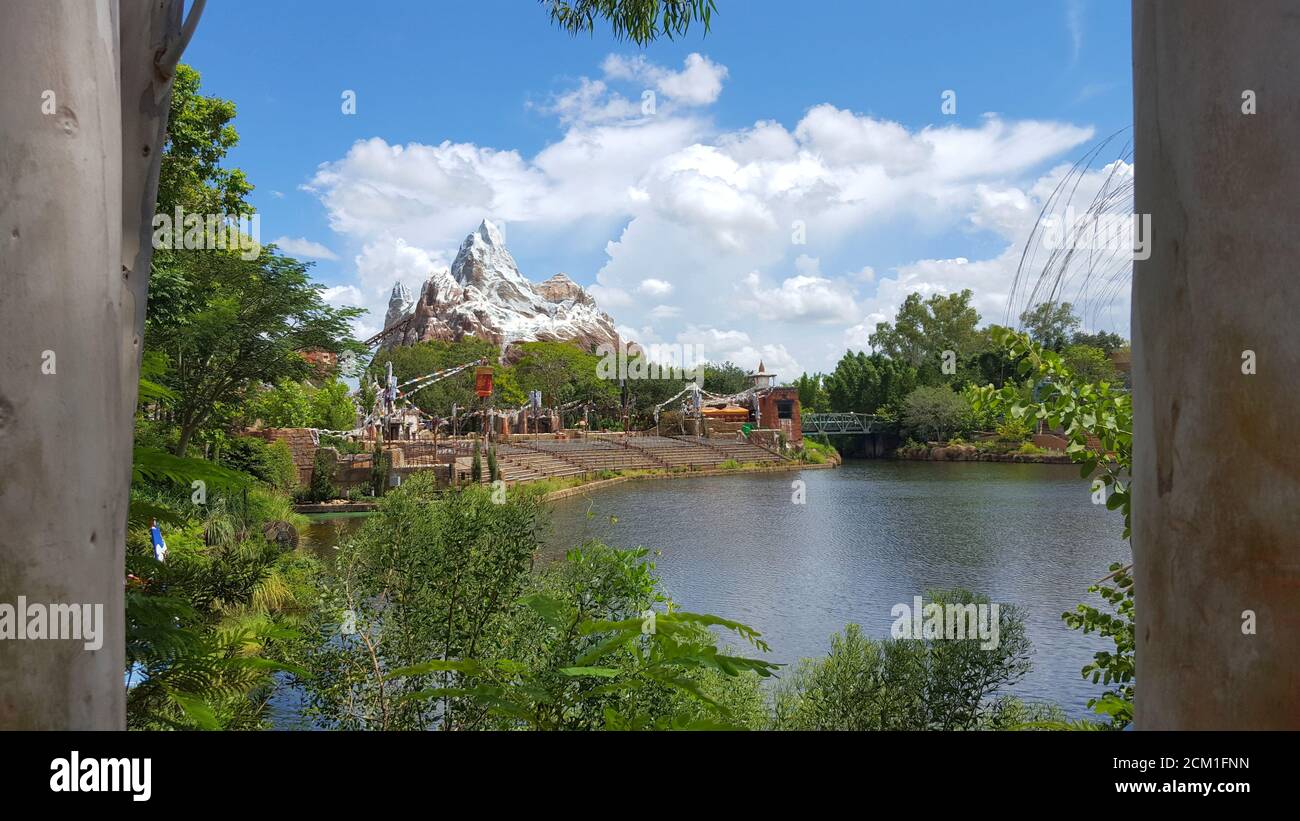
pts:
[872, 534]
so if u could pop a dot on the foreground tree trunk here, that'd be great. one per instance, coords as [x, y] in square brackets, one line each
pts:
[1216, 491]
[83, 107]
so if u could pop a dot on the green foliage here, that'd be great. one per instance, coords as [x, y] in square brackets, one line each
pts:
[585, 650]
[1115, 670]
[563, 373]
[1088, 413]
[250, 319]
[1050, 324]
[321, 488]
[493, 472]
[812, 393]
[910, 684]
[1108, 342]
[287, 405]
[379, 466]
[476, 468]
[199, 135]
[429, 577]
[150, 464]
[924, 328]
[410, 361]
[1089, 364]
[863, 383]
[817, 453]
[207, 629]
[270, 463]
[293, 404]
[1012, 429]
[639, 21]
[283, 473]
[725, 379]
[935, 411]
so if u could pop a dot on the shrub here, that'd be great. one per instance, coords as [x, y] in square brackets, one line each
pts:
[909, 684]
[280, 467]
[817, 453]
[935, 411]
[1012, 429]
[380, 462]
[322, 487]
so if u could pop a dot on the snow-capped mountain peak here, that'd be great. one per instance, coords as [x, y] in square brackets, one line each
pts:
[485, 295]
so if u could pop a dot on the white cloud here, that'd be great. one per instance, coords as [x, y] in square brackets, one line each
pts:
[655, 287]
[698, 83]
[801, 298]
[303, 247]
[686, 209]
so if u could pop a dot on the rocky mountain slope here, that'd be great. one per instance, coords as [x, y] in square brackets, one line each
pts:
[486, 296]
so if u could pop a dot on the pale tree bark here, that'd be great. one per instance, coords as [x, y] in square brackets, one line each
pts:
[77, 192]
[1216, 485]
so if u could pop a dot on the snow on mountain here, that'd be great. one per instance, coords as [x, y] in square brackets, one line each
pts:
[486, 296]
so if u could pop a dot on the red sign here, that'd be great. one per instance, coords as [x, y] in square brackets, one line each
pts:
[483, 382]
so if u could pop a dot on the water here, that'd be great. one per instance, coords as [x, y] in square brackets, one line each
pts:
[871, 535]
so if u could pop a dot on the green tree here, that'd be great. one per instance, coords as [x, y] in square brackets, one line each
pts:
[935, 412]
[1089, 364]
[1050, 324]
[411, 361]
[332, 407]
[563, 372]
[725, 379]
[1107, 341]
[248, 324]
[812, 393]
[322, 487]
[191, 176]
[866, 383]
[924, 329]
[287, 405]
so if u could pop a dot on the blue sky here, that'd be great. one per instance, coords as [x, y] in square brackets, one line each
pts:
[825, 113]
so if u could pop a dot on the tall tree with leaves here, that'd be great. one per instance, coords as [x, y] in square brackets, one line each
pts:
[250, 322]
[924, 330]
[1050, 324]
[866, 383]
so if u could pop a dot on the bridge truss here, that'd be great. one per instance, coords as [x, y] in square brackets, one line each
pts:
[849, 423]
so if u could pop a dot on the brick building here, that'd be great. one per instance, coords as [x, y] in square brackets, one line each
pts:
[778, 408]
